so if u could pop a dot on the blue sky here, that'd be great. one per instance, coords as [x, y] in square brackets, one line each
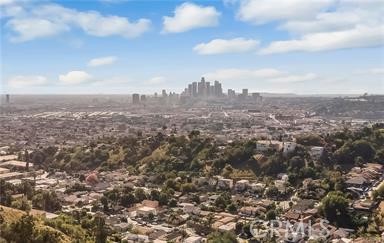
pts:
[117, 46]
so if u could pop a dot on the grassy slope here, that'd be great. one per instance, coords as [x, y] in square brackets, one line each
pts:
[11, 215]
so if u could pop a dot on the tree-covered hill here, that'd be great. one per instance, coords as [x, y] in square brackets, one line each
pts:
[203, 155]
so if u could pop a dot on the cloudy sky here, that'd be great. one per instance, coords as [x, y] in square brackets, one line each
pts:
[126, 46]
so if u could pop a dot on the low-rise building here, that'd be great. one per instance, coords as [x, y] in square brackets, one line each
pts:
[193, 239]
[225, 184]
[16, 164]
[190, 208]
[8, 157]
[145, 211]
[264, 145]
[228, 227]
[11, 175]
[288, 147]
[357, 181]
[315, 152]
[4, 170]
[241, 185]
[252, 211]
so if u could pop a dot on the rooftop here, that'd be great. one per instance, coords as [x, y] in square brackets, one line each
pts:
[16, 163]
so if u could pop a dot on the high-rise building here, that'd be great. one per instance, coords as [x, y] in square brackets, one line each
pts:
[257, 97]
[212, 90]
[201, 87]
[135, 99]
[218, 89]
[164, 93]
[207, 89]
[245, 92]
[7, 98]
[231, 93]
[143, 98]
[194, 89]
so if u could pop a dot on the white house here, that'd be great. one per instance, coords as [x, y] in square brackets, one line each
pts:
[212, 181]
[258, 186]
[316, 152]
[264, 145]
[288, 147]
[241, 185]
[225, 183]
[145, 211]
[190, 208]
[228, 227]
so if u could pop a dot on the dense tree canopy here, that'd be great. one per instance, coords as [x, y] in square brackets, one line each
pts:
[220, 237]
[334, 207]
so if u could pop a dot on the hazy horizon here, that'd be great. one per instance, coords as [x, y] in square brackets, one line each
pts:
[265, 94]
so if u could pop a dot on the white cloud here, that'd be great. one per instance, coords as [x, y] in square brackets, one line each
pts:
[263, 11]
[52, 19]
[370, 71]
[95, 24]
[113, 1]
[220, 46]
[31, 28]
[360, 36]
[75, 77]
[294, 78]
[6, 2]
[243, 74]
[377, 70]
[21, 81]
[10, 10]
[101, 61]
[270, 75]
[156, 80]
[190, 16]
[330, 21]
[318, 25]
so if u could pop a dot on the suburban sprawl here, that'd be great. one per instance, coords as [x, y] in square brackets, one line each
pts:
[200, 166]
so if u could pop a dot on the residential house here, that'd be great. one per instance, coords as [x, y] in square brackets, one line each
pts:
[145, 211]
[357, 181]
[228, 227]
[190, 208]
[193, 239]
[251, 211]
[316, 152]
[241, 185]
[224, 184]
[264, 145]
[288, 147]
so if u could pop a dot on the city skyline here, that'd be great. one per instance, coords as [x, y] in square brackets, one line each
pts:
[126, 47]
